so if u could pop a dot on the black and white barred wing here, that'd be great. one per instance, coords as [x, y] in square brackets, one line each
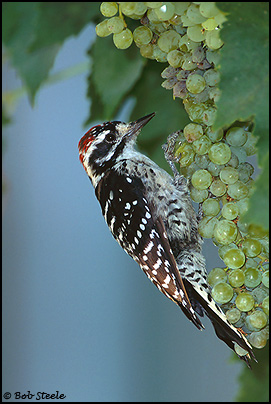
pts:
[130, 218]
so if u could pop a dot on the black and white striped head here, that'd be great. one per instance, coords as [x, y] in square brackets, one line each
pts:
[104, 145]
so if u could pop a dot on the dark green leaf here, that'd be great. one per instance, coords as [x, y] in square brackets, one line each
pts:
[114, 74]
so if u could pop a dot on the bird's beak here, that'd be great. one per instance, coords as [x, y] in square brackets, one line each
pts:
[135, 126]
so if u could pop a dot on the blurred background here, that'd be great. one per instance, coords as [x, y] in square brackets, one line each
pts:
[79, 315]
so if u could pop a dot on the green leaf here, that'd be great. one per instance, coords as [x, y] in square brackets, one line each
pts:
[254, 385]
[259, 201]
[114, 74]
[60, 20]
[34, 31]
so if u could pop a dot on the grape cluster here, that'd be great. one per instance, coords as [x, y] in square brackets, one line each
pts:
[185, 35]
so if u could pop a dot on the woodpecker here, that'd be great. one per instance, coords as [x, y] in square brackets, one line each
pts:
[151, 215]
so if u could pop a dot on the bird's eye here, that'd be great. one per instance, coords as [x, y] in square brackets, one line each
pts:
[110, 137]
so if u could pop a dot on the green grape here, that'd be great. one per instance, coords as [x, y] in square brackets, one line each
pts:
[195, 83]
[194, 15]
[251, 247]
[250, 145]
[165, 12]
[233, 315]
[244, 301]
[202, 161]
[228, 175]
[142, 35]
[256, 230]
[245, 170]
[192, 132]
[211, 207]
[124, 39]
[222, 292]
[208, 9]
[209, 116]
[212, 77]
[218, 188]
[198, 54]
[253, 277]
[233, 161]
[239, 350]
[181, 7]
[209, 24]
[213, 57]
[115, 25]
[230, 211]
[234, 258]
[236, 136]
[132, 9]
[175, 58]
[187, 154]
[219, 153]
[225, 232]
[201, 179]
[188, 64]
[265, 278]
[265, 305]
[258, 339]
[196, 33]
[224, 248]
[102, 29]
[159, 55]
[154, 4]
[198, 195]
[169, 40]
[238, 190]
[236, 277]
[258, 319]
[213, 40]
[206, 226]
[216, 275]
[108, 9]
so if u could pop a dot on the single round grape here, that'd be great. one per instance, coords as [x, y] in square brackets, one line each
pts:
[213, 40]
[115, 25]
[192, 131]
[168, 40]
[102, 29]
[206, 226]
[251, 247]
[222, 292]
[216, 275]
[234, 258]
[258, 319]
[258, 339]
[154, 4]
[219, 153]
[208, 9]
[202, 145]
[132, 9]
[142, 35]
[186, 153]
[195, 83]
[202, 161]
[198, 195]
[175, 58]
[233, 315]
[253, 277]
[165, 12]
[124, 39]
[265, 305]
[108, 9]
[245, 170]
[218, 188]
[212, 77]
[250, 145]
[224, 248]
[201, 179]
[236, 136]
[230, 211]
[225, 232]
[265, 278]
[211, 207]
[244, 301]
[238, 190]
[196, 33]
[147, 51]
[239, 350]
[228, 175]
[236, 277]
[209, 24]
[215, 169]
